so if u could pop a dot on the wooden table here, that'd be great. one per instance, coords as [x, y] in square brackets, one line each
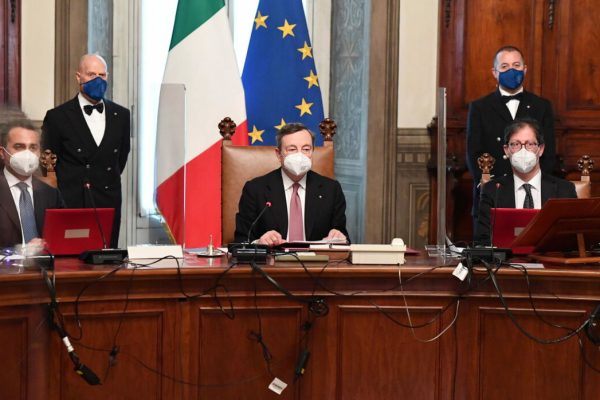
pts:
[171, 347]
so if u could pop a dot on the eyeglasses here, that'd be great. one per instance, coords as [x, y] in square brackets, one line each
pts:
[516, 146]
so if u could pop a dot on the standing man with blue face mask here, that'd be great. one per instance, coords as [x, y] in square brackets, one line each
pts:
[296, 203]
[90, 136]
[489, 116]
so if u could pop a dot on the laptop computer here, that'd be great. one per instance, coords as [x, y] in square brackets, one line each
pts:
[508, 223]
[70, 231]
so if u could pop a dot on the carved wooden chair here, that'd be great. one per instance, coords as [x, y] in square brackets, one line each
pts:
[240, 164]
[583, 186]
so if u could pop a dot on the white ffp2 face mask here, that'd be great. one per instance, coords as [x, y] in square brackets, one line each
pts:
[24, 162]
[297, 164]
[523, 160]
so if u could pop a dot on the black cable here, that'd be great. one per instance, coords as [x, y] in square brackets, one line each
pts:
[518, 325]
[258, 336]
[316, 305]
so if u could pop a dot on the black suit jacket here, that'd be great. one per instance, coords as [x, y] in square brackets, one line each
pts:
[488, 116]
[552, 187]
[44, 197]
[79, 160]
[325, 207]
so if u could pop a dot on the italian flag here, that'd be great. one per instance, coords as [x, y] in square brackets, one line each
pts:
[201, 62]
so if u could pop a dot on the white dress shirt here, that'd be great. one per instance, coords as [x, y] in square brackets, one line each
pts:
[16, 192]
[536, 191]
[287, 186]
[512, 105]
[96, 121]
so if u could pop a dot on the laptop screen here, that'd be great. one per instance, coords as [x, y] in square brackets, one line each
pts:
[508, 223]
[70, 231]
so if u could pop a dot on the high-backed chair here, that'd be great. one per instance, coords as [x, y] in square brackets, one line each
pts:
[240, 164]
[583, 186]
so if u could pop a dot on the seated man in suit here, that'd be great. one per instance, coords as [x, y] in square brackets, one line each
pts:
[528, 186]
[303, 204]
[23, 198]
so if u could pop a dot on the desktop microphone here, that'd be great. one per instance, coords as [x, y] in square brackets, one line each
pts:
[248, 252]
[88, 186]
[493, 219]
[267, 205]
[104, 255]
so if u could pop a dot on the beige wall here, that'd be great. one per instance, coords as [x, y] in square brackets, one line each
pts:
[37, 57]
[418, 62]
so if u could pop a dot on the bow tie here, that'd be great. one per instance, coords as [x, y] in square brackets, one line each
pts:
[89, 108]
[517, 96]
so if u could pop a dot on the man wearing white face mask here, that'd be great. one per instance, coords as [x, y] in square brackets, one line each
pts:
[23, 198]
[528, 186]
[303, 204]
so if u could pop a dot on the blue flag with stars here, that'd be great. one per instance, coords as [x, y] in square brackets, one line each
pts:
[280, 79]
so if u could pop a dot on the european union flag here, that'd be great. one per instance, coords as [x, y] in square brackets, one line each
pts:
[280, 80]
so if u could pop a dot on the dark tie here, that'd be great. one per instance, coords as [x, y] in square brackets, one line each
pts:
[296, 226]
[89, 108]
[27, 216]
[517, 96]
[528, 203]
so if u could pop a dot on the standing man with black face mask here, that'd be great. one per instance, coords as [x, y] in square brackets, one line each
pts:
[23, 198]
[90, 137]
[303, 204]
[489, 115]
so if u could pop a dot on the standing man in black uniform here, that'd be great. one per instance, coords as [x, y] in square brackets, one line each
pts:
[90, 136]
[489, 116]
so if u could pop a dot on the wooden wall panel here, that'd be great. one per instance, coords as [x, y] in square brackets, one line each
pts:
[140, 336]
[372, 350]
[482, 39]
[13, 353]
[228, 344]
[507, 357]
[583, 76]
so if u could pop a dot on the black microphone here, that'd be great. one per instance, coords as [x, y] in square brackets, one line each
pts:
[267, 205]
[493, 219]
[104, 255]
[55, 322]
[88, 186]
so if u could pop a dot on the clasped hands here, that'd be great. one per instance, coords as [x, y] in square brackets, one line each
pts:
[274, 238]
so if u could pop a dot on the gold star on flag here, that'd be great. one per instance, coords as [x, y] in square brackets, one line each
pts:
[312, 79]
[287, 29]
[260, 21]
[281, 125]
[306, 51]
[304, 107]
[255, 134]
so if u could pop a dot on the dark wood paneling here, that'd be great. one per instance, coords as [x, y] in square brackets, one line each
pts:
[501, 345]
[229, 354]
[356, 352]
[13, 353]
[373, 373]
[10, 53]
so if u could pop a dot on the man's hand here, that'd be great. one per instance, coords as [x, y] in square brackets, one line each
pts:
[271, 238]
[334, 234]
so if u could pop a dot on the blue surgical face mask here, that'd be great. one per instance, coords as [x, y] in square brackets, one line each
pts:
[95, 88]
[511, 79]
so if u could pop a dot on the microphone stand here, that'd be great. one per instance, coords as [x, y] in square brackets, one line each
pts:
[104, 255]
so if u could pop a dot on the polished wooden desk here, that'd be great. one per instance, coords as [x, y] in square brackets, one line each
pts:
[357, 352]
